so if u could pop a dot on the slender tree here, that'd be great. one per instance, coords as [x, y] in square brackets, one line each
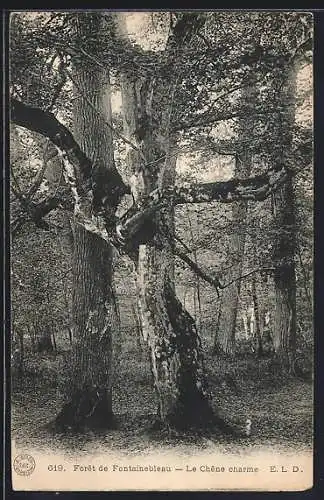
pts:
[226, 325]
[284, 248]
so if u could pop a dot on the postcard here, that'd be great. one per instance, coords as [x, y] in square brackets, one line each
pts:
[161, 211]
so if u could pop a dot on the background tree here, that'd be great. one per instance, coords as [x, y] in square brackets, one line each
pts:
[226, 321]
[284, 251]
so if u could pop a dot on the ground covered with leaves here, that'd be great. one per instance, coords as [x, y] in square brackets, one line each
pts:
[280, 408]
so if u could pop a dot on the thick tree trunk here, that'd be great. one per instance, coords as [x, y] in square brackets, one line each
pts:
[284, 248]
[176, 354]
[174, 344]
[225, 335]
[89, 389]
[93, 309]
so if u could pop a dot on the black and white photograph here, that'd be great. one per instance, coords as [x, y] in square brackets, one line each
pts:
[161, 250]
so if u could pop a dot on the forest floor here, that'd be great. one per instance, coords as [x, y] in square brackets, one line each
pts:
[281, 410]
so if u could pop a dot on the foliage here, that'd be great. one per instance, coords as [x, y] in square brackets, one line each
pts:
[41, 281]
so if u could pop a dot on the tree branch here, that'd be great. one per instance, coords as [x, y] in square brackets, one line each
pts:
[37, 211]
[238, 278]
[78, 173]
[256, 188]
[206, 120]
[86, 180]
[46, 124]
[186, 26]
[197, 270]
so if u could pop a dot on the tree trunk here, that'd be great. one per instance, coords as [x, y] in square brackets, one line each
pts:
[256, 308]
[93, 309]
[176, 353]
[175, 347]
[174, 344]
[284, 334]
[284, 248]
[225, 335]
[138, 327]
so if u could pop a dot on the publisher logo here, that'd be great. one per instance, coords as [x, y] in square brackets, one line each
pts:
[24, 465]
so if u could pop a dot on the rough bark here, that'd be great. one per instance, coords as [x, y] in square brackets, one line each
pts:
[284, 248]
[284, 329]
[88, 389]
[89, 386]
[175, 348]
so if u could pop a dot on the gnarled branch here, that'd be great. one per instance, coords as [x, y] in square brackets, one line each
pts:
[37, 211]
[86, 180]
[256, 188]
